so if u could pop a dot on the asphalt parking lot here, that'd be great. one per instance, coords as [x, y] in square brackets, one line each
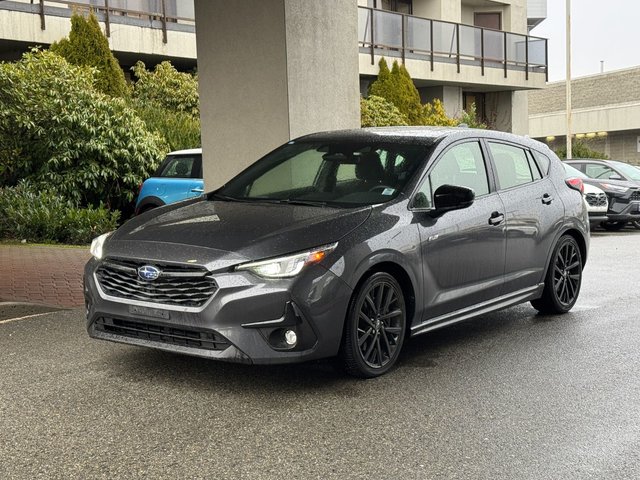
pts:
[511, 395]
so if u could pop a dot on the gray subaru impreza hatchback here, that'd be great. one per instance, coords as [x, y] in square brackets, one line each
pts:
[345, 244]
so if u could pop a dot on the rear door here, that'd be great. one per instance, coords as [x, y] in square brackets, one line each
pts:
[180, 177]
[533, 212]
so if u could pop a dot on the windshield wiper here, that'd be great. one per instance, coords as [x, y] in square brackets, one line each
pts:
[310, 203]
[227, 198]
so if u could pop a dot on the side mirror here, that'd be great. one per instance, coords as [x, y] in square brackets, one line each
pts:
[615, 176]
[452, 197]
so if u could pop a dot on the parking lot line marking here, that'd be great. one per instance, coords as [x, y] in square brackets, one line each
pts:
[8, 320]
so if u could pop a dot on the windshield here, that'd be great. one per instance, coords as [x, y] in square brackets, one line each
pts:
[629, 171]
[338, 173]
[573, 171]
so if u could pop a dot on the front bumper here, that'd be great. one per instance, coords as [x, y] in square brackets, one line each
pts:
[244, 320]
[624, 212]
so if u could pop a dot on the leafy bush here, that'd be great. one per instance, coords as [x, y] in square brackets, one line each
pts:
[88, 46]
[434, 114]
[44, 216]
[377, 112]
[168, 102]
[178, 129]
[58, 131]
[580, 150]
[470, 118]
[166, 87]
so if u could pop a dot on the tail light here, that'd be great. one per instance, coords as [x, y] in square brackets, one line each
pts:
[575, 183]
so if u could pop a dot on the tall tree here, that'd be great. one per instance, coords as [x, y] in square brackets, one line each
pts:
[87, 45]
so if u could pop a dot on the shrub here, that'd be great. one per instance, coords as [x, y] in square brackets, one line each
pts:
[166, 87]
[44, 216]
[378, 112]
[580, 150]
[58, 131]
[88, 46]
[178, 129]
[397, 87]
[470, 118]
[434, 114]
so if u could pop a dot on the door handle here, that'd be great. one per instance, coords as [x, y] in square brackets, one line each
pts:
[197, 190]
[547, 199]
[496, 218]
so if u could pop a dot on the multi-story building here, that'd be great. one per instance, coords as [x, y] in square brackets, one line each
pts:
[460, 51]
[281, 52]
[605, 113]
[147, 30]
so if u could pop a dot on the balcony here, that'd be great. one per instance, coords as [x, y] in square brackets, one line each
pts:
[147, 29]
[452, 52]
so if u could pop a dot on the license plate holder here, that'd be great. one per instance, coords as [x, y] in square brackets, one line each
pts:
[149, 312]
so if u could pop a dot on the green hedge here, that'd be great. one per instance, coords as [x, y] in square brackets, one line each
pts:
[45, 217]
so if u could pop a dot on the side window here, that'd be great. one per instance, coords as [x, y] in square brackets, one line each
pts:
[179, 166]
[461, 165]
[512, 165]
[297, 172]
[543, 162]
[594, 170]
[346, 172]
[533, 166]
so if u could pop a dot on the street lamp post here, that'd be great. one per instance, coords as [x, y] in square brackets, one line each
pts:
[568, 82]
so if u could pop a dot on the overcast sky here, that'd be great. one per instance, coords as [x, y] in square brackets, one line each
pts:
[606, 30]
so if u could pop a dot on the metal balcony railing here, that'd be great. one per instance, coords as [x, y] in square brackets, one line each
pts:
[397, 34]
[161, 14]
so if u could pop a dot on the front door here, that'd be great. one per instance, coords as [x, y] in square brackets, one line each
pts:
[463, 250]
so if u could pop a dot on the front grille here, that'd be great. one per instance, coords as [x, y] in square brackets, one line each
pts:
[184, 286]
[206, 340]
[596, 199]
[635, 195]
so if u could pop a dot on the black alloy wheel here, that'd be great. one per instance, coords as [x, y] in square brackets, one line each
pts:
[375, 327]
[636, 224]
[563, 279]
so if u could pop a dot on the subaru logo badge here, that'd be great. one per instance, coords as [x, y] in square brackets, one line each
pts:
[148, 272]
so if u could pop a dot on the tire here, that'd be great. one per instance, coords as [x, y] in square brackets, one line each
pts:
[374, 328]
[636, 224]
[613, 226]
[563, 279]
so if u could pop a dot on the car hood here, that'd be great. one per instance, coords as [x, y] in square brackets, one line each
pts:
[219, 233]
[588, 188]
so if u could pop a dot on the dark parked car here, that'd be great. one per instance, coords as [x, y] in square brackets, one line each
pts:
[621, 182]
[345, 244]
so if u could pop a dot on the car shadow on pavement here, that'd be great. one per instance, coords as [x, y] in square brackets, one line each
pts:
[134, 364]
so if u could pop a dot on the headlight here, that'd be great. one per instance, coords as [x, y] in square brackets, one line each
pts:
[614, 188]
[289, 266]
[96, 245]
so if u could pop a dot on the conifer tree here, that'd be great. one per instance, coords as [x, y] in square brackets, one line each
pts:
[396, 87]
[87, 45]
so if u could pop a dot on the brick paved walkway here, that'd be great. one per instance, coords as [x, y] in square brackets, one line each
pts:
[46, 275]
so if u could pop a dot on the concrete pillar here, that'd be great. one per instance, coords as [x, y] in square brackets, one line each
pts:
[269, 71]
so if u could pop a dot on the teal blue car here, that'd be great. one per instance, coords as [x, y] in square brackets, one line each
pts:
[178, 177]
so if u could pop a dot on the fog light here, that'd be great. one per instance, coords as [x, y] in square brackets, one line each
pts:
[290, 337]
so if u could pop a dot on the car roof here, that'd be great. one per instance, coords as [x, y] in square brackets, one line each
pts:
[594, 160]
[419, 135]
[190, 151]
